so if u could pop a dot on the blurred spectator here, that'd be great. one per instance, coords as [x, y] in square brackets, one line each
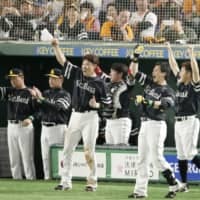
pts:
[143, 21]
[5, 24]
[191, 7]
[55, 9]
[71, 27]
[111, 17]
[117, 27]
[172, 31]
[88, 19]
[63, 4]
[125, 5]
[39, 8]
[97, 5]
[105, 4]
[191, 11]
[159, 8]
[8, 7]
[111, 12]
[171, 27]
[41, 19]
[22, 28]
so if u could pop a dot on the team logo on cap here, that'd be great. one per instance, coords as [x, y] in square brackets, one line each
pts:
[11, 72]
[52, 72]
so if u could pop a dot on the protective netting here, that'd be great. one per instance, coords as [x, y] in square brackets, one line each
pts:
[148, 21]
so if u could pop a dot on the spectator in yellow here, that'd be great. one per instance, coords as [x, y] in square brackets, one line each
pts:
[190, 6]
[111, 17]
[116, 27]
[91, 23]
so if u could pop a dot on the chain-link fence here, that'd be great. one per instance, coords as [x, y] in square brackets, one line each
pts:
[148, 21]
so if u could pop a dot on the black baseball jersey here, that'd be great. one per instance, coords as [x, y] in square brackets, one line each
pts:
[56, 106]
[77, 32]
[120, 95]
[155, 92]
[187, 98]
[84, 88]
[20, 103]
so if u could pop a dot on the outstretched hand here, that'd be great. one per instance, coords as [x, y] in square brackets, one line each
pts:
[54, 42]
[190, 50]
[168, 45]
[93, 103]
[35, 92]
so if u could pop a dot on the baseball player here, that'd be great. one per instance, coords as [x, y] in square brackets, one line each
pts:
[118, 123]
[186, 123]
[20, 110]
[158, 97]
[54, 111]
[89, 95]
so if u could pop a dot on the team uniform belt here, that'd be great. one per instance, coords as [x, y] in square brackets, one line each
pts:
[14, 121]
[81, 110]
[144, 119]
[183, 118]
[49, 124]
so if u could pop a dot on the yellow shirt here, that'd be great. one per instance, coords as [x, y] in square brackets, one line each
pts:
[188, 4]
[106, 30]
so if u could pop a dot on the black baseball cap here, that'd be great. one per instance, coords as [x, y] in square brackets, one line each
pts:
[15, 72]
[55, 73]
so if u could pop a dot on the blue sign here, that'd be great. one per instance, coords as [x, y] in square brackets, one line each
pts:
[193, 171]
[114, 51]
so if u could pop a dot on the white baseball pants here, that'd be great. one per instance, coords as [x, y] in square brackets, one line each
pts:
[118, 131]
[186, 138]
[83, 125]
[49, 136]
[21, 147]
[150, 149]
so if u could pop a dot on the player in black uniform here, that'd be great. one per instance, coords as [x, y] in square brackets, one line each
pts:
[54, 113]
[20, 110]
[158, 97]
[187, 100]
[118, 123]
[89, 95]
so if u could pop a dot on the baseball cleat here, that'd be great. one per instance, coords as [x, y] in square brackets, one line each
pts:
[184, 188]
[170, 195]
[89, 188]
[58, 187]
[136, 196]
[63, 188]
[66, 188]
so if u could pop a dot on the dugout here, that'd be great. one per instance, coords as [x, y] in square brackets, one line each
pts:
[37, 58]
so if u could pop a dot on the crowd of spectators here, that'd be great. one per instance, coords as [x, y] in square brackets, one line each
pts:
[148, 21]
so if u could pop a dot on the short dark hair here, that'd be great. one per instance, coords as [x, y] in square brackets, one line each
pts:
[92, 58]
[164, 68]
[109, 5]
[87, 5]
[187, 66]
[120, 68]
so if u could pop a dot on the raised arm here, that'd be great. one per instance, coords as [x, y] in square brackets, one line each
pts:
[172, 61]
[133, 67]
[59, 54]
[194, 65]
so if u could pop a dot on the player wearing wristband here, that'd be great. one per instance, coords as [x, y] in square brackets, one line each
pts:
[88, 96]
[157, 98]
